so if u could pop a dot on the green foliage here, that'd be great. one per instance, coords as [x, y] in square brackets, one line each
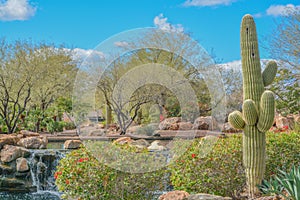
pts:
[286, 87]
[77, 176]
[147, 129]
[290, 182]
[80, 175]
[282, 152]
[221, 172]
[271, 187]
[69, 125]
[172, 107]
[286, 184]
[54, 126]
[48, 120]
[33, 77]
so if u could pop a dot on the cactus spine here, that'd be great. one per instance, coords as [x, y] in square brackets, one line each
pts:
[258, 107]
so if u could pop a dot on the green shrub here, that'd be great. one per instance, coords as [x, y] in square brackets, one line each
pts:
[147, 129]
[220, 172]
[54, 126]
[284, 184]
[271, 187]
[69, 125]
[77, 176]
[80, 175]
[283, 151]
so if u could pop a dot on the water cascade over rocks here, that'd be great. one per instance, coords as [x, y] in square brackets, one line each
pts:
[27, 168]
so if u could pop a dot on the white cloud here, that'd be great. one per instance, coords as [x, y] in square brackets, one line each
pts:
[162, 23]
[203, 3]
[237, 64]
[16, 10]
[121, 44]
[258, 15]
[281, 10]
[87, 56]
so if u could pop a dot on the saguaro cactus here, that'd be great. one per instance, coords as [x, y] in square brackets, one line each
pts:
[258, 106]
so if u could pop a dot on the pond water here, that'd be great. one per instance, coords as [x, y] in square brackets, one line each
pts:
[55, 145]
[47, 195]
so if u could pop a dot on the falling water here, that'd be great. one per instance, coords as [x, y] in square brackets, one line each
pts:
[42, 168]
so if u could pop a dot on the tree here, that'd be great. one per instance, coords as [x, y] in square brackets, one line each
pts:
[285, 47]
[233, 87]
[286, 87]
[112, 88]
[16, 81]
[55, 73]
[285, 44]
[148, 92]
[32, 77]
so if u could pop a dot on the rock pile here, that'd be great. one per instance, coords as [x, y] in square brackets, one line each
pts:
[182, 195]
[15, 173]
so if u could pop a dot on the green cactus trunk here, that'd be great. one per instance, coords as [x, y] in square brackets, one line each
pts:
[253, 139]
[254, 157]
[258, 107]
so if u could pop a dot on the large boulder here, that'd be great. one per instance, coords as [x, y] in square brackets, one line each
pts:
[10, 153]
[97, 132]
[174, 195]
[147, 130]
[205, 123]
[294, 120]
[11, 182]
[22, 165]
[140, 144]
[297, 118]
[185, 126]
[8, 139]
[155, 146]
[227, 128]
[207, 197]
[72, 144]
[26, 133]
[123, 140]
[33, 142]
[133, 129]
[6, 169]
[281, 122]
[170, 123]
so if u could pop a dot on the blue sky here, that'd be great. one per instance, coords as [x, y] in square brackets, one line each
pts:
[84, 24]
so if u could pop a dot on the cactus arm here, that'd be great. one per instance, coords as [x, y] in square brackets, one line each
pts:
[236, 120]
[269, 73]
[267, 111]
[250, 112]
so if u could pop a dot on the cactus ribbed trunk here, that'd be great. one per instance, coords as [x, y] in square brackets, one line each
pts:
[253, 139]
[258, 107]
[254, 157]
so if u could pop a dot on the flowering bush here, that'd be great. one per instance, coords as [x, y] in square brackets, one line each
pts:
[76, 176]
[283, 151]
[279, 130]
[82, 176]
[221, 172]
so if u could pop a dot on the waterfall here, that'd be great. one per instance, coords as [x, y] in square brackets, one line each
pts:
[42, 168]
